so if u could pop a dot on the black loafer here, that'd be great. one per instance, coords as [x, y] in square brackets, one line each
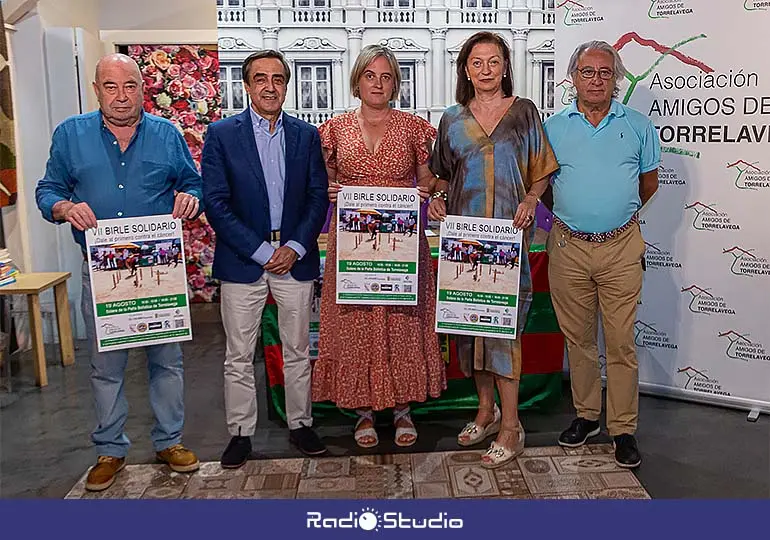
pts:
[626, 452]
[578, 433]
[307, 441]
[237, 452]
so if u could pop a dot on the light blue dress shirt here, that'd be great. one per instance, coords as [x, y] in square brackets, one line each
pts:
[272, 155]
[596, 188]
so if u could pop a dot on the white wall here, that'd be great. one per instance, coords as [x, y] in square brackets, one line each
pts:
[157, 15]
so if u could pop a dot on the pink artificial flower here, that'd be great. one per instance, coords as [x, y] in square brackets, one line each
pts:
[211, 90]
[198, 233]
[207, 256]
[189, 67]
[188, 81]
[188, 119]
[134, 51]
[174, 71]
[199, 91]
[205, 62]
[198, 281]
[176, 88]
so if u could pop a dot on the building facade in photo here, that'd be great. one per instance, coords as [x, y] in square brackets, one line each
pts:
[322, 38]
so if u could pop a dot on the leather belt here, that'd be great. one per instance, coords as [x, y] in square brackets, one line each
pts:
[595, 237]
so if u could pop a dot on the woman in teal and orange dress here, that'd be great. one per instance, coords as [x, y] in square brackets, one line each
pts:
[493, 160]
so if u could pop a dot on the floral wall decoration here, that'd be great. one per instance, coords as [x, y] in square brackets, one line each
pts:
[181, 83]
[8, 188]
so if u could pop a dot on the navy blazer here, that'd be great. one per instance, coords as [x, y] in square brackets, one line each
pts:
[237, 204]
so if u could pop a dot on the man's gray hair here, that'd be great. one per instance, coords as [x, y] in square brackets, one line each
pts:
[618, 68]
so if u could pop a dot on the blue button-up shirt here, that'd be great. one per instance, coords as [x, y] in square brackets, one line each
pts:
[87, 165]
[597, 186]
[272, 155]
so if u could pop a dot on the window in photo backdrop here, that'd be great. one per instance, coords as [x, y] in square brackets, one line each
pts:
[182, 85]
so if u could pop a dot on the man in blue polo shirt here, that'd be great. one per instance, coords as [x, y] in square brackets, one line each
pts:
[122, 162]
[608, 157]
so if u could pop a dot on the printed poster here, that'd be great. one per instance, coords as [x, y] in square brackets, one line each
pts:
[478, 277]
[139, 282]
[378, 232]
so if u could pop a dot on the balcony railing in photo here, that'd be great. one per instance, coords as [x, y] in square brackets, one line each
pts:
[450, 17]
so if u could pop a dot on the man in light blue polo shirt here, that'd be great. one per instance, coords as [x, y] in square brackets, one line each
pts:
[608, 157]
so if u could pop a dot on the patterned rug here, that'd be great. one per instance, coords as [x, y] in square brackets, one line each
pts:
[589, 472]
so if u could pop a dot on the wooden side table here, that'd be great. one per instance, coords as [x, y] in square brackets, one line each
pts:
[32, 284]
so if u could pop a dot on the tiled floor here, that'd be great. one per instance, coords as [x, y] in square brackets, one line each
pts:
[540, 473]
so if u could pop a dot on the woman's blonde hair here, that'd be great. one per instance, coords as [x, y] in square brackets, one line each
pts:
[368, 55]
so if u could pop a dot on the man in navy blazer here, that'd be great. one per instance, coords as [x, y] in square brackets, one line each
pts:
[265, 192]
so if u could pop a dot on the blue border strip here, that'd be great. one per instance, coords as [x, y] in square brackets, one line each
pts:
[471, 519]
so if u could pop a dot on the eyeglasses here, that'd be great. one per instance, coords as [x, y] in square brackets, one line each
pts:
[590, 73]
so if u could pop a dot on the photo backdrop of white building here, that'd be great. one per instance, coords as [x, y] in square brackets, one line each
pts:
[322, 38]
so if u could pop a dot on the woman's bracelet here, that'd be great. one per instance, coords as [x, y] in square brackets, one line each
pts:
[437, 194]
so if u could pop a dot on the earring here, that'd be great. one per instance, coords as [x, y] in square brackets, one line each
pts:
[469, 78]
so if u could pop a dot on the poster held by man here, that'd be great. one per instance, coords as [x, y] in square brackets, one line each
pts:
[139, 282]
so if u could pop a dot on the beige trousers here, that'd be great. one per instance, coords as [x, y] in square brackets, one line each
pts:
[242, 306]
[586, 277]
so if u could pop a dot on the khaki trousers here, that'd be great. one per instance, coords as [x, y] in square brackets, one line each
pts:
[585, 277]
[242, 306]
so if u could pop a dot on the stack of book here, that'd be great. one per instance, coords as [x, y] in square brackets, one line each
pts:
[8, 270]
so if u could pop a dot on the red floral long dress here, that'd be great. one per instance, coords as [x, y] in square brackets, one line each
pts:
[377, 356]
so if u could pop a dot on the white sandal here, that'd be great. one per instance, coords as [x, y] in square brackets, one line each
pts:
[398, 414]
[366, 432]
[476, 433]
[498, 455]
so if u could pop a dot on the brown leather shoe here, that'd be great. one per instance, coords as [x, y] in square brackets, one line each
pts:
[179, 458]
[102, 475]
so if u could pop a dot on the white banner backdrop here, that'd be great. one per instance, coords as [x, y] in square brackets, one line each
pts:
[700, 70]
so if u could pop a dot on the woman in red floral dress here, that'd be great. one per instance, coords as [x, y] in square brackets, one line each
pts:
[373, 358]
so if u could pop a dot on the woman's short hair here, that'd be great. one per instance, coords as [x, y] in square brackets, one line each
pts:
[259, 55]
[368, 55]
[464, 91]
